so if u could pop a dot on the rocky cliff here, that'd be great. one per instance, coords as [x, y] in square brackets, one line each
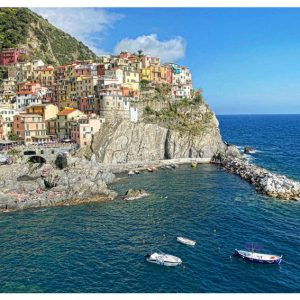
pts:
[180, 130]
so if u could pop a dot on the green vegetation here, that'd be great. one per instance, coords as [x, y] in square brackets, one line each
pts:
[13, 136]
[186, 115]
[14, 26]
[144, 85]
[3, 73]
[52, 45]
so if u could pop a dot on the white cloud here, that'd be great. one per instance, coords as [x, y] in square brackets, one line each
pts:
[169, 50]
[85, 24]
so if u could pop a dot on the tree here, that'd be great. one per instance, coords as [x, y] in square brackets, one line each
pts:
[13, 136]
[140, 53]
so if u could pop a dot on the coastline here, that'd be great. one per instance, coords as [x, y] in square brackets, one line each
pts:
[84, 181]
[144, 165]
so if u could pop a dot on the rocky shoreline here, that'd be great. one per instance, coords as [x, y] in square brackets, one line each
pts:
[25, 186]
[76, 180]
[265, 182]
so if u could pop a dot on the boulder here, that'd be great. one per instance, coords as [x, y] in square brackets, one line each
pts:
[61, 161]
[248, 150]
[133, 194]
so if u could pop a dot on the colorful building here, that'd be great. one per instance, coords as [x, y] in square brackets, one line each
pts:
[181, 91]
[45, 75]
[148, 61]
[7, 118]
[25, 99]
[51, 126]
[30, 128]
[83, 130]
[131, 78]
[47, 111]
[12, 55]
[63, 119]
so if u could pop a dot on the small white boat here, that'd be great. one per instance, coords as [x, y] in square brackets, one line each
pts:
[130, 173]
[186, 241]
[137, 172]
[163, 259]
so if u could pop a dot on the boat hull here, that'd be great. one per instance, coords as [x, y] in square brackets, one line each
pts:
[186, 241]
[271, 261]
[163, 259]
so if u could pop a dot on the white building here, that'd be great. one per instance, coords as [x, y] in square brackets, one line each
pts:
[133, 114]
[25, 99]
[182, 76]
[115, 73]
[6, 116]
[181, 91]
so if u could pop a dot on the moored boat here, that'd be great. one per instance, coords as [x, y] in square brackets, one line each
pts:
[258, 257]
[194, 165]
[186, 241]
[130, 173]
[163, 259]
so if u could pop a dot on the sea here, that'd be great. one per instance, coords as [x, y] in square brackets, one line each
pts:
[100, 247]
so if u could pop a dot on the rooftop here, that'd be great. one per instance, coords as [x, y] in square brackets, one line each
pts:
[66, 111]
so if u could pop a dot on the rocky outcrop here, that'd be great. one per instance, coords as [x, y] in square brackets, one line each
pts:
[126, 142]
[133, 194]
[80, 182]
[267, 183]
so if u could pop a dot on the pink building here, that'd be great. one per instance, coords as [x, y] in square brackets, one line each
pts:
[30, 127]
[29, 86]
[82, 131]
[11, 55]
[168, 73]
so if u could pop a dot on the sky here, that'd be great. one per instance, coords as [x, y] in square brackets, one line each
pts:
[246, 60]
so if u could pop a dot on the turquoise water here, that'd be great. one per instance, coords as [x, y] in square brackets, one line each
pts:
[101, 247]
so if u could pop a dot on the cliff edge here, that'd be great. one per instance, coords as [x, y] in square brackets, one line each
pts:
[182, 129]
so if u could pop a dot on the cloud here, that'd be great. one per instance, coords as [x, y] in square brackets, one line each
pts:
[85, 24]
[169, 50]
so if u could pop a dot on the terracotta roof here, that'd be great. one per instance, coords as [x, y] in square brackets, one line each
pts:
[66, 111]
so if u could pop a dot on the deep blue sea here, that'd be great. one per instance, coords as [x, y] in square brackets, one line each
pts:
[101, 247]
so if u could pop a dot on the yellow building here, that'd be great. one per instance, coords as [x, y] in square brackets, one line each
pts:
[62, 93]
[45, 76]
[154, 73]
[47, 111]
[145, 74]
[131, 78]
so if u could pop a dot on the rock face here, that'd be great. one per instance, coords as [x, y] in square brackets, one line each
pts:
[126, 142]
[81, 181]
[267, 183]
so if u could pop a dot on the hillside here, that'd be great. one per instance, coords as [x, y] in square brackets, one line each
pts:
[20, 27]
